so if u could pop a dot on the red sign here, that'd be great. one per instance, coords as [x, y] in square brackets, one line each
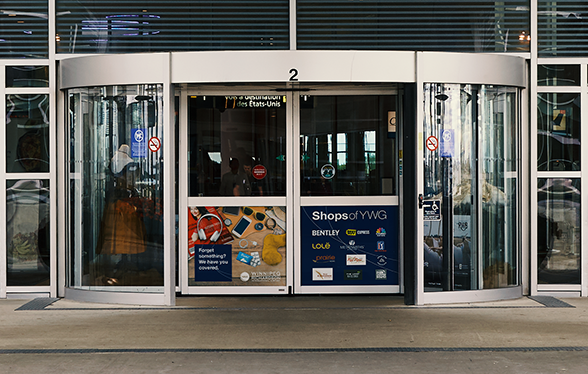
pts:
[432, 143]
[259, 172]
[154, 144]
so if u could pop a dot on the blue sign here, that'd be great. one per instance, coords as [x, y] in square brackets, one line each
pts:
[213, 263]
[349, 245]
[447, 143]
[139, 143]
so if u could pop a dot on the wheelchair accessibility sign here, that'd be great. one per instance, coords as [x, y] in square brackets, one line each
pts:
[432, 210]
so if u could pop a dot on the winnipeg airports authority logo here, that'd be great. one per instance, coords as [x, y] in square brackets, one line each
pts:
[322, 274]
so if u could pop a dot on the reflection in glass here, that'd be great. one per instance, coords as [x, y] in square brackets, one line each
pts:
[558, 75]
[345, 146]
[27, 76]
[558, 231]
[27, 233]
[237, 146]
[471, 238]
[27, 133]
[558, 131]
[116, 187]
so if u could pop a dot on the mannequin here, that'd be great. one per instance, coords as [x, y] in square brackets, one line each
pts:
[122, 230]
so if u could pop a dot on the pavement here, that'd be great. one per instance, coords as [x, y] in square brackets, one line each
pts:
[301, 334]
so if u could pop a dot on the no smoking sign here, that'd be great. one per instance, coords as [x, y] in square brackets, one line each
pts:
[154, 144]
[432, 143]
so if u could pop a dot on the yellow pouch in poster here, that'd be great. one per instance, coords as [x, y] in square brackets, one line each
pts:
[271, 243]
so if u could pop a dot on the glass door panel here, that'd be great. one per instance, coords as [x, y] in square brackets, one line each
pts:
[116, 188]
[237, 174]
[470, 187]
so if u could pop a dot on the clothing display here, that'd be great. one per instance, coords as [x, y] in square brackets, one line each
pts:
[122, 230]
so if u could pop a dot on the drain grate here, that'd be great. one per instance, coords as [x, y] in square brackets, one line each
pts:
[39, 303]
[551, 302]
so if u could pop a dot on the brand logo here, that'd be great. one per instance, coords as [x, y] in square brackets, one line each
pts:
[322, 274]
[321, 245]
[244, 276]
[363, 232]
[382, 260]
[381, 232]
[381, 246]
[356, 260]
[353, 275]
[351, 232]
[352, 242]
[325, 232]
[366, 214]
[323, 259]
[381, 274]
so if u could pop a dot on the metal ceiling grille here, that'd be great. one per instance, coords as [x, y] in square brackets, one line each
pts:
[456, 25]
[23, 29]
[88, 26]
[563, 28]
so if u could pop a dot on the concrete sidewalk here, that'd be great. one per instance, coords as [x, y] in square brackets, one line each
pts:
[292, 330]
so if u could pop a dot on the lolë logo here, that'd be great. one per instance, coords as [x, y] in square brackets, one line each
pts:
[321, 245]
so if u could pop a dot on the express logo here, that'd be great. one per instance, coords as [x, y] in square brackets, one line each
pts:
[351, 232]
[323, 259]
[381, 232]
[321, 245]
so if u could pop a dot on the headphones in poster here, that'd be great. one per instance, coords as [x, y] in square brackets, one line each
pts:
[202, 235]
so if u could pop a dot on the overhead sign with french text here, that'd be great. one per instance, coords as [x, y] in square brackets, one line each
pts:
[349, 245]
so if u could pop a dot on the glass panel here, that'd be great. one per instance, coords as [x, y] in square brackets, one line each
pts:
[450, 172]
[422, 25]
[558, 75]
[116, 215]
[366, 152]
[237, 246]
[558, 231]
[499, 186]
[561, 28]
[24, 29]
[27, 133]
[558, 132]
[237, 146]
[179, 25]
[471, 187]
[27, 76]
[27, 233]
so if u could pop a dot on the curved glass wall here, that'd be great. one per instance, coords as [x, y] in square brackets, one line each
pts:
[116, 188]
[471, 177]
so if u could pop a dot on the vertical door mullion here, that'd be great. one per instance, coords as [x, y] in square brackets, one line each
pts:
[183, 192]
[3, 263]
[293, 191]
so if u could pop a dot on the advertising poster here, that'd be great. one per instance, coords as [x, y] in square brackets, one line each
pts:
[349, 245]
[237, 246]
